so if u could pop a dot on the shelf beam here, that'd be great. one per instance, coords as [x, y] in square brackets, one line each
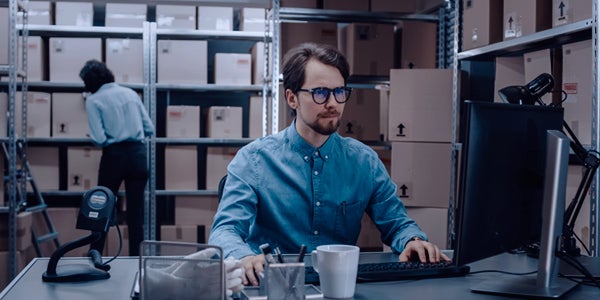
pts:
[543, 39]
[344, 16]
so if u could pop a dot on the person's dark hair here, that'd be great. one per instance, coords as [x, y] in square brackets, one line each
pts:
[296, 59]
[95, 74]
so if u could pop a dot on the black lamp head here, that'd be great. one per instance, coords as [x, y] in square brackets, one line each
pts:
[530, 93]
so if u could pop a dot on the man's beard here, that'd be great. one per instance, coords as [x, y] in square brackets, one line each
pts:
[327, 129]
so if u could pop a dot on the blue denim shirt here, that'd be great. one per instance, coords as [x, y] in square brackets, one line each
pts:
[116, 114]
[282, 191]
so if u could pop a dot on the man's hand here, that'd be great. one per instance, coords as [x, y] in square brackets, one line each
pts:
[253, 269]
[204, 278]
[425, 251]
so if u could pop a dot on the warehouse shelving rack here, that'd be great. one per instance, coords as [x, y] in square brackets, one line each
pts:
[556, 36]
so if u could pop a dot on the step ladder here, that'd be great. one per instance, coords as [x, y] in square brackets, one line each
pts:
[34, 204]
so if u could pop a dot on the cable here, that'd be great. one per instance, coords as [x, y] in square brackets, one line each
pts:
[120, 245]
[578, 266]
[504, 272]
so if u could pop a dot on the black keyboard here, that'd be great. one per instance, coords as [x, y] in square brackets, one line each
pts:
[390, 271]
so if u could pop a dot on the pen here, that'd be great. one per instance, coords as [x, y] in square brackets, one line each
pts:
[279, 256]
[266, 250]
[302, 253]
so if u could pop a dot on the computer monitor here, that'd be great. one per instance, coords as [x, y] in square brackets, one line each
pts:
[512, 192]
[501, 179]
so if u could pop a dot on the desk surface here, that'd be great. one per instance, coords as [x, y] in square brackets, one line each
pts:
[29, 285]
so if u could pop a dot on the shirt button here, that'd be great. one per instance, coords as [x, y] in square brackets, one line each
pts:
[306, 158]
[316, 232]
[326, 156]
[316, 173]
[318, 203]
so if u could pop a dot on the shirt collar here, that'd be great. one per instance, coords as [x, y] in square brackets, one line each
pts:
[305, 149]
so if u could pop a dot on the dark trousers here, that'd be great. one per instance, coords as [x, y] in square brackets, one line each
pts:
[126, 161]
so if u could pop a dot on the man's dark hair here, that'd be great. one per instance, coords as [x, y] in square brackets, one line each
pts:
[95, 74]
[296, 59]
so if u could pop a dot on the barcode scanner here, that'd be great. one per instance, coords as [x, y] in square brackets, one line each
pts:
[97, 213]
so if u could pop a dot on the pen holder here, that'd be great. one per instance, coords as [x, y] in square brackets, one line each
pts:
[285, 281]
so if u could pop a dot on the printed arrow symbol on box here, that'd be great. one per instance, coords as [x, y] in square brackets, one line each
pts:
[561, 6]
[400, 130]
[510, 21]
[403, 188]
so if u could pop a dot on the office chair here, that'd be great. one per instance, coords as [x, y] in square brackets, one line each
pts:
[221, 186]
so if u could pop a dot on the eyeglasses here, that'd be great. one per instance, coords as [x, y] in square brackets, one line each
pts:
[321, 94]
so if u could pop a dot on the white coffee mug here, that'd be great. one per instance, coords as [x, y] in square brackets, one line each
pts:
[337, 266]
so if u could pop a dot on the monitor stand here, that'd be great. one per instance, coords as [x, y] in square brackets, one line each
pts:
[547, 284]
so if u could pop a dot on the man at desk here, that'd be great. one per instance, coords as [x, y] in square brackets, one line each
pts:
[307, 184]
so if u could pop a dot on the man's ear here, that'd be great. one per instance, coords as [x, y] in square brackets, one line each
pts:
[291, 99]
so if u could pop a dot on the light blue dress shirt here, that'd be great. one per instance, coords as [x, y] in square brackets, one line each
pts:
[282, 191]
[116, 114]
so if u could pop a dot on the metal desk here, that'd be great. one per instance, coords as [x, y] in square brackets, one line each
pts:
[28, 284]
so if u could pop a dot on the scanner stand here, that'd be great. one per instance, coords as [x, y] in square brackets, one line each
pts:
[76, 272]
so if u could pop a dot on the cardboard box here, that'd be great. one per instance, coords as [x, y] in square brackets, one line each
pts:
[3, 116]
[369, 238]
[217, 160]
[44, 167]
[125, 58]
[215, 18]
[434, 222]
[182, 61]
[420, 108]
[69, 117]
[525, 17]
[4, 257]
[358, 5]
[369, 48]
[183, 121]
[258, 63]
[4, 36]
[68, 56]
[510, 70]
[181, 168]
[64, 220]
[405, 6]
[255, 123]
[422, 173]
[233, 69]
[183, 233]
[74, 13]
[299, 3]
[36, 60]
[23, 222]
[294, 34]
[360, 119]
[418, 45]
[570, 11]
[195, 210]
[482, 23]
[224, 122]
[82, 168]
[112, 242]
[536, 63]
[176, 16]
[38, 13]
[577, 83]
[38, 114]
[125, 15]
[252, 19]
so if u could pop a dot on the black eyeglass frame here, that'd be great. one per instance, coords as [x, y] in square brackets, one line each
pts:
[312, 92]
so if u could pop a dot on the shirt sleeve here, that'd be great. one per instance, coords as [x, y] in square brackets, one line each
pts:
[95, 122]
[389, 213]
[146, 122]
[237, 210]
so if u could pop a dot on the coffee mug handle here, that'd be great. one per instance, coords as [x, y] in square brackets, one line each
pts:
[315, 260]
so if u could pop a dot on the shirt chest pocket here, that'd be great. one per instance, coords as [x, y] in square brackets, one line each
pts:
[348, 218]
